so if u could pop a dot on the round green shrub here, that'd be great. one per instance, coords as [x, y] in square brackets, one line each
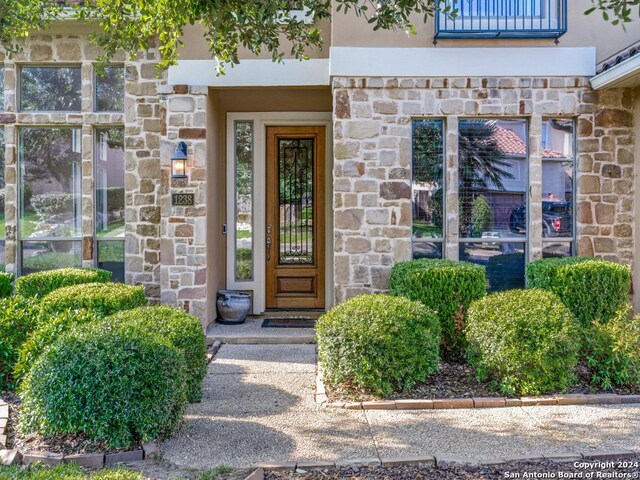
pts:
[6, 284]
[592, 289]
[103, 299]
[18, 318]
[612, 351]
[42, 283]
[525, 341]
[180, 329]
[445, 286]
[51, 326]
[378, 343]
[113, 385]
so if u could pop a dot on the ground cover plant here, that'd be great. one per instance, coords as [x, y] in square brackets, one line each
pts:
[66, 471]
[524, 341]
[593, 289]
[445, 286]
[378, 343]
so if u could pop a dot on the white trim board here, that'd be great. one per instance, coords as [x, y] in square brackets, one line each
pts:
[623, 75]
[261, 120]
[392, 62]
[251, 73]
[463, 62]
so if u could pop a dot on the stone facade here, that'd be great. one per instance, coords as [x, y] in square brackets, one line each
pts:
[183, 269]
[372, 170]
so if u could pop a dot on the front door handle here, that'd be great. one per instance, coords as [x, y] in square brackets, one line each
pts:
[269, 241]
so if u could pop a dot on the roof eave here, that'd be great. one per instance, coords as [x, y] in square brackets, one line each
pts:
[624, 75]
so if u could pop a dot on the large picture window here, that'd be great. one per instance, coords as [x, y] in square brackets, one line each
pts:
[493, 186]
[50, 89]
[558, 163]
[428, 188]
[109, 200]
[50, 219]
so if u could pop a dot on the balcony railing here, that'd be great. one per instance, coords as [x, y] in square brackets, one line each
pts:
[503, 19]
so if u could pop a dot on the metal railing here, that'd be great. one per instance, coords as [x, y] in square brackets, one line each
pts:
[503, 19]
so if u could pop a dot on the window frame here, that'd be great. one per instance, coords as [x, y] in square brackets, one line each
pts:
[20, 188]
[571, 241]
[442, 241]
[18, 100]
[95, 131]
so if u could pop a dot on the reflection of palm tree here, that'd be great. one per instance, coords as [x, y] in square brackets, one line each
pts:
[481, 165]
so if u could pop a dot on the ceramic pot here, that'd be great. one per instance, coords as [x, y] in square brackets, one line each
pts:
[233, 307]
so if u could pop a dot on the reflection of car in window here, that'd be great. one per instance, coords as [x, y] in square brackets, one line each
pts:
[557, 219]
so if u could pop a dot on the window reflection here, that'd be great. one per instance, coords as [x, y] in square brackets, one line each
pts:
[504, 261]
[109, 181]
[244, 200]
[110, 90]
[50, 89]
[427, 175]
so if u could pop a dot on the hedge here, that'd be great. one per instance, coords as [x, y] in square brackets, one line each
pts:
[51, 326]
[378, 343]
[612, 351]
[103, 299]
[592, 289]
[18, 318]
[182, 330]
[111, 385]
[42, 283]
[6, 284]
[525, 341]
[447, 287]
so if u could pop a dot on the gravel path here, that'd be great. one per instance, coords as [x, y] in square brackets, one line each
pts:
[259, 406]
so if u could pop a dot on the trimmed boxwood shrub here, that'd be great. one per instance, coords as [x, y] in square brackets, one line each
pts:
[18, 318]
[6, 284]
[113, 385]
[42, 283]
[378, 343]
[612, 351]
[525, 341]
[445, 286]
[592, 289]
[102, 298]
[51, 326]
[182, 330]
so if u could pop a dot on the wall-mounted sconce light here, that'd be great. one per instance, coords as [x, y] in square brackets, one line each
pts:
[179, 161]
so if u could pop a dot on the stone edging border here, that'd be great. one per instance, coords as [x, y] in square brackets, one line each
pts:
[440, 461]
[14, 456]
[472, 402]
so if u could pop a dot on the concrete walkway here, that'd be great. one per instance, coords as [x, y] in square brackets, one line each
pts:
[258, 406]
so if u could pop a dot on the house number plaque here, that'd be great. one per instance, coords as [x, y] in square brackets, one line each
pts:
[183, 199]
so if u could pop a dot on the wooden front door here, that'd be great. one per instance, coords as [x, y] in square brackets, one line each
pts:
[295, 217]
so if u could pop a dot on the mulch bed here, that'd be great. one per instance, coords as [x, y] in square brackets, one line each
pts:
[458, 380]
[67, 445]
[542, 469]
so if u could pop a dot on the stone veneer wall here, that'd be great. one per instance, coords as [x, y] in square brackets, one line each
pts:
[183, 269]
[142, 120]
[372, 170]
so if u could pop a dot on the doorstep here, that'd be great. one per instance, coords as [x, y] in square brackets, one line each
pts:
[252, 333]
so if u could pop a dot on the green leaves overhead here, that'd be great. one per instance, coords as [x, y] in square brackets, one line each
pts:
[276, 27]
[616, 11]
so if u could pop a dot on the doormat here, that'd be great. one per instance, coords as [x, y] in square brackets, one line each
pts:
[291, 322]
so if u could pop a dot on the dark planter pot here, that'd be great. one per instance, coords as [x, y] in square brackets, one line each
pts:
[233, 307]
